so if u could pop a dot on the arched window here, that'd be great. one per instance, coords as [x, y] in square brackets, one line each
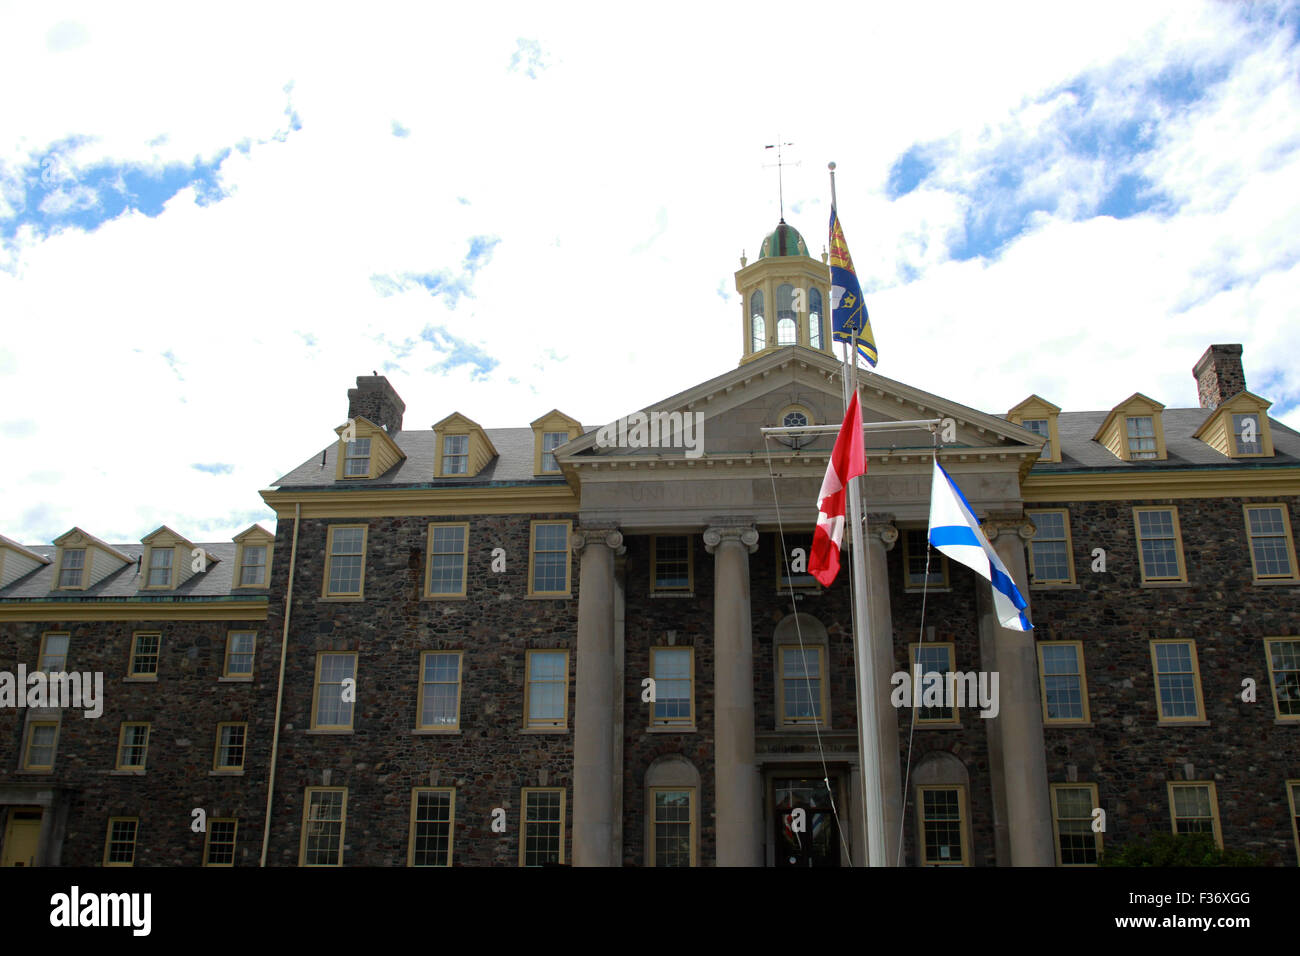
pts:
[757, 324]
[672, 795]
[787, 330]
[802, 670]
[814, 318]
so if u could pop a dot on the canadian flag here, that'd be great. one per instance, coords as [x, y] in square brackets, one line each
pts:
[847, 462]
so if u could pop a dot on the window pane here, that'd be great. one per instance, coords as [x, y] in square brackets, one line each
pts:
[55, 655]
[1285, 659]
[935, 662]
[1239, 424]
[432, 824]
[672, 827]
[942, 816]
[543, 828]
[672, 561]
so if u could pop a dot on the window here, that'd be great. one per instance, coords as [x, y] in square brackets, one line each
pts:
[546, 690]
[787, 328]
[801, 691]
[439, 690]
[1072, 806]
[119, 846]
[1040, 426]
[795, 420]
[673, 670]
[1272, 552]
[42, 735]
[448, 559]
[787, 577]
[345, 562]
[231, 738]
[252, 570]
[1050, 554]
[548, 559]
[132, 746]
[1178, 681]
[673, 821]
[1248, 426]
[916, 546]
[144, 656]
[943, 826]
[1065, 686]
[1283, 654]
[935, 661]
[239, 654]
[1293, 795]
[672, 564]
[1194, 808]
[324, 813]
[433, 816]
[160, 567]
[356, 459]
[329, 709]
[53, 657]
[219, 849]
[814, 318]
[757, 324]
[1160, 545]
[542, 830]
[73, 567]
[1141, 437]
[455, 455]
[550, 442]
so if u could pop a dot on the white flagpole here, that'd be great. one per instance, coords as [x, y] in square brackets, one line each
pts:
[873, 830]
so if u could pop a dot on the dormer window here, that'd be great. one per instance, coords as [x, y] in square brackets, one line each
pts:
[160, 567]
[1239, 428]
[1134, 430]
[1247, 436]
[253, 553]
[252, 572]
[550, 442]
[814, 318]
[455, 455]
[356, 463]
[74, 566]
[1141, 437]
[1040, 426]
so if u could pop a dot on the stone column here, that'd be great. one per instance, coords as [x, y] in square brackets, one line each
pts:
[1019, 724]
[593, 726]
[739, 805]
[881, 536]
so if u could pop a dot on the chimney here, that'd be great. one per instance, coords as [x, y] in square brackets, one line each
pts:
[374, 399]
[1218, 375]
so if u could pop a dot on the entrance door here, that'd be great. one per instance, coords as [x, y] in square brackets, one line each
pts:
[22, 836]
[818, 843]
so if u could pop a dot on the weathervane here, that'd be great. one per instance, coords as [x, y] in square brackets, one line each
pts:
[780, 185]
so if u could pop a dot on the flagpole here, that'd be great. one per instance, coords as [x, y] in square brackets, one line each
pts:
[873, 825]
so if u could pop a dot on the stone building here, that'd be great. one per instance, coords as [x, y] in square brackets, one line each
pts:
[446, 653]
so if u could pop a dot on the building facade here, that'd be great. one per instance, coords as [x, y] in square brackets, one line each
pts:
[558, 644]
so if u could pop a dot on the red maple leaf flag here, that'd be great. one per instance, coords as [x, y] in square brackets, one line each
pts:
[847, 462]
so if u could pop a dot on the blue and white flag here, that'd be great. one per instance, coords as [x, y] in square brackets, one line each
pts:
[955, 532]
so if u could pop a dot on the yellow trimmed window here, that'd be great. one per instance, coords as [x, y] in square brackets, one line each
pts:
[448, 559]
[1272, 550]
[673, 670]
[542, 826]
[1040, 426]
[324, 815]
[356, 459]
[239, 654]
[53, 656]
[455, 454]
[1293, 795]
[160, 567]
[550, 442]
[548, 559]
[916, 547]
[439, 690]
[1283, 655]
[252, 567]
[1178, 681]
[1038, 415]
[1051, 557]
[232, 738]
[132, 746]
[119, 844]
[1194, 808]
[673, 826]
[145, 649]
[1072, 806]
[792, 565]
[1141, 433]
[1160, 545]
[433, 819]
[1064, 683]
[42, 736]
[335, 693]
[73, 567]
[672, 564]
[942, 812]
[546, 690]
[935, 660]
[801, 685]
[1247, 434]
[345, 561]
[219, 848]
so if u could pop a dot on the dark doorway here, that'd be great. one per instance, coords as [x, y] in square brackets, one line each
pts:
[818, 842]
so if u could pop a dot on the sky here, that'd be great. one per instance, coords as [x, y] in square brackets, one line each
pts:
[210, 225]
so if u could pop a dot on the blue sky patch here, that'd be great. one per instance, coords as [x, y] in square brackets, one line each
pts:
[442, 282]
[400, 131]
[908, 172]
[214, 469]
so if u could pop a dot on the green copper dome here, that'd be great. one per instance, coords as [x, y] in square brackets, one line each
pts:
[783, 241]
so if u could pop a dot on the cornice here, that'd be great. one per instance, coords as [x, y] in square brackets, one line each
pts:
[405, 502]
[1163, 483]
[99, 610]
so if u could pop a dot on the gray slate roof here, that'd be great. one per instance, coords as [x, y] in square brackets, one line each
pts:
[126, 583]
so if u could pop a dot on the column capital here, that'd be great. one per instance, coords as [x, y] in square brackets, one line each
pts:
[881, 526]
[608, 535]
[996, 525]
[716, 535]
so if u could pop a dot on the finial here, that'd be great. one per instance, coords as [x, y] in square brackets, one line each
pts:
[743, 260]
[825, 256]
[780, 182]
[831, 166]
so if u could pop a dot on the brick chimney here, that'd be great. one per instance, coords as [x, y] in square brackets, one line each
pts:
[375, 399]
[1218, 375]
